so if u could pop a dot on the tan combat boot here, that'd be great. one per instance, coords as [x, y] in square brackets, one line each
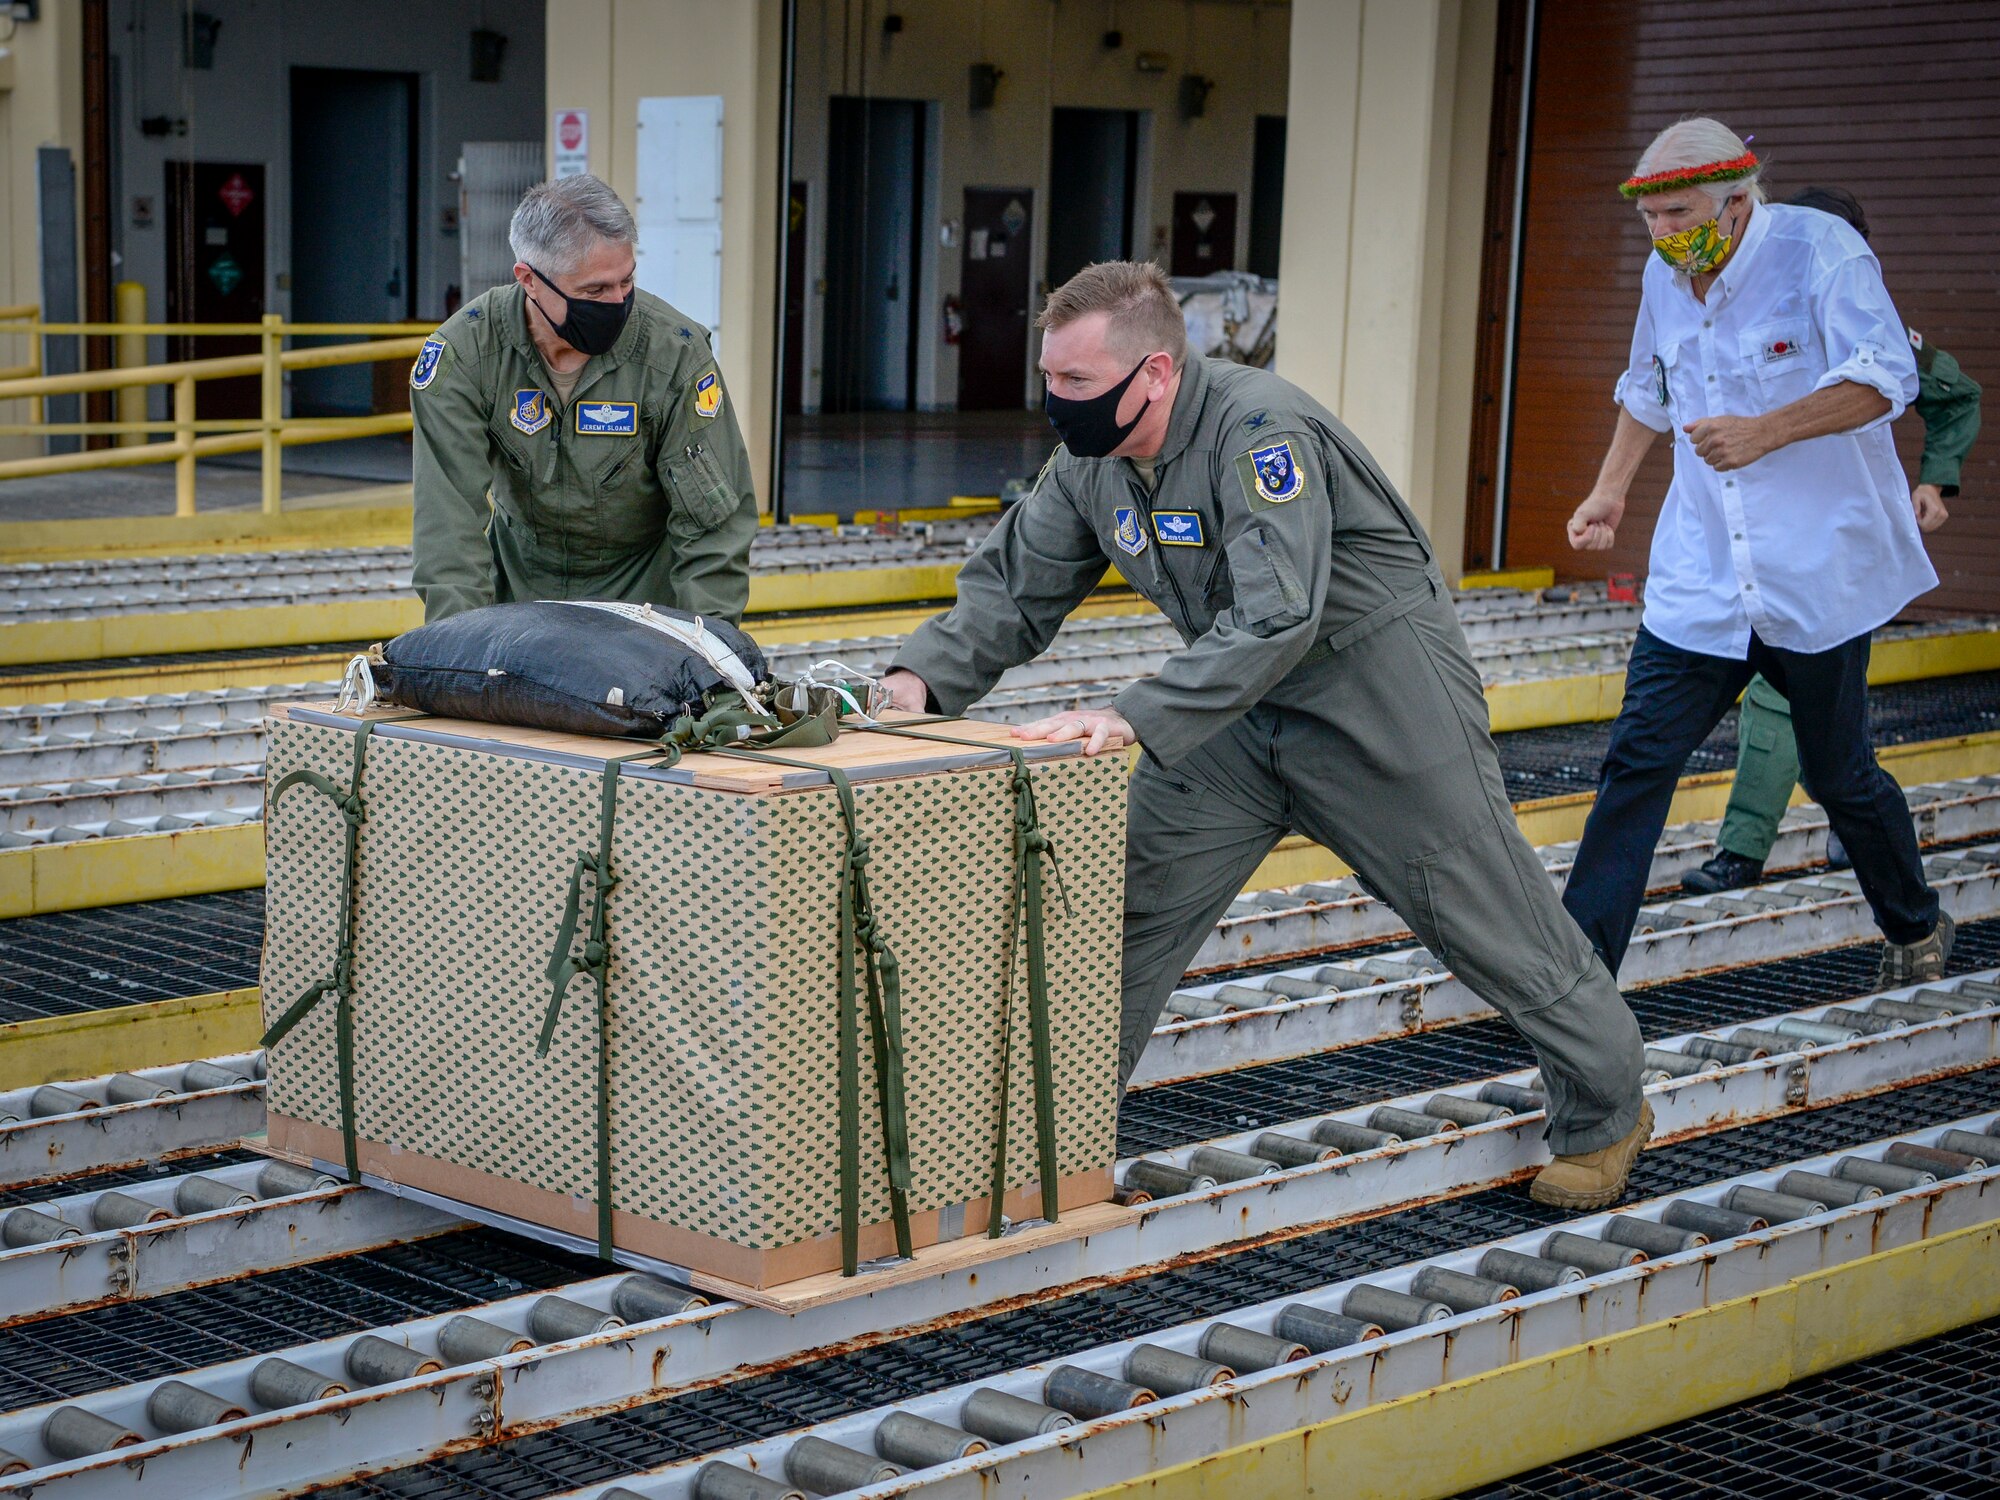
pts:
[1596, 1178]
[1918, 963]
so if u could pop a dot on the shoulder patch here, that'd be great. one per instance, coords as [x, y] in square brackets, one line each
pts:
[430, 359]
[531, 412]
[1270, 476]
[1916, 339]
[708, 395]
[1125, 530]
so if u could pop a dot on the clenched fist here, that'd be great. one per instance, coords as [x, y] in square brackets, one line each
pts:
[1594, 527]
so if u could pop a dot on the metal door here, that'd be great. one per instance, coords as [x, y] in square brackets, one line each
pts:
[993, 284]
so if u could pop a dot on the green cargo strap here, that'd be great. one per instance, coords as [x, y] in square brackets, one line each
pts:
[339, 983]
[1023, 897]
[731, 721]
[859, 927]
[596, 962]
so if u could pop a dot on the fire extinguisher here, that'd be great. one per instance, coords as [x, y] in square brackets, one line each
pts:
[954, 318]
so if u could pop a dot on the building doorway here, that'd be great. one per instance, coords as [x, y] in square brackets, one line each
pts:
[874, 254]
[993, 350]
[353, 231]
[1090, 191]
[1204, 234]
[215, 271]
[1267, 195]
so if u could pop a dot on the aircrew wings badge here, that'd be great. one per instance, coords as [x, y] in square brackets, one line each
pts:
[1126, 532]
[531, 412]
[708, 395]
[424, 371]
[1277, 473]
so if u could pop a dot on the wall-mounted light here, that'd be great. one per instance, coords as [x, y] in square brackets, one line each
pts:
[1152, 62]
[1195, 90]
[984, 79]
[488, 47]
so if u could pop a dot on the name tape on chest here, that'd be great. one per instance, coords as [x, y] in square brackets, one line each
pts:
[607, 418]
[425, 370]
[1179, 528]
[708, 395]
[1126, 532]
[531, 412]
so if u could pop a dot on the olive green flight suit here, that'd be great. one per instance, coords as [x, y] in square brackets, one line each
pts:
[1767, 751]
[1326, 686]
[637, 490]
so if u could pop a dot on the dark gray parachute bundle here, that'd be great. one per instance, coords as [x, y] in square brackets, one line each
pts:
[577, 666]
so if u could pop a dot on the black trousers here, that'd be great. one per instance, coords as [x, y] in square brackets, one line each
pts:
[1673, 698]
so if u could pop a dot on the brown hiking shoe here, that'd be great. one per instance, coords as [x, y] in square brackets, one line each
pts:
[1596, 1178]
[1917, 963]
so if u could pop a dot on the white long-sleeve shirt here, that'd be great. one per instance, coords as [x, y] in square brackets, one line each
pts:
[1816, 543]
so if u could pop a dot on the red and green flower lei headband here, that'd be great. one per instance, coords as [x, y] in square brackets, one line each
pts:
[1685, 177]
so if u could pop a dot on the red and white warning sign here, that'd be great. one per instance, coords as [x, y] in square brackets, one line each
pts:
[572, 142]
[235, 194]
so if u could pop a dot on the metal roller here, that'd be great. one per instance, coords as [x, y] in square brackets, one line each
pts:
[1931, 1159]
[203, 1195]
[1726, 1053]
[71, 1432]
[1971, 1143]
[1814, 1031]
[1458, 1291]
[1001, 1418]
[129, 1088]
[1170, 1372]
[1887, 1176]
[1319, 1330]
[1347, 1137]
[1679, 1064]
[917, 1442]
[176, 1406]
[50, 1100]
[281, 1179]
[462, 1339]
[1130, 1197]
[1867, 1022]
[278, 1383]
[198, 1077]
[1650, 1236]
[1198, 1007]
[1088, 1395]
[1290, 1151]
[1516, 1098]
[718, 1481]
[1765, 1043]
[116, 1210]
[826, 1468]
[1228, 1166]
[1530, 1273]
[1247, 997]
[12, 1463]
[552, 1319]
[1339, 978]
[640, 1299]
[373, 1360]
[1706, 1218]
[1830, 1190]
[1903, 1010]
[1394, 1311]
[1592, 1257]
[1163, 1179]
[1247, 1349]
[1407, 1122]
[30, 1226]
[1958, 1003]
[1463, 1111]
[1773, 1208]
[1291, 987]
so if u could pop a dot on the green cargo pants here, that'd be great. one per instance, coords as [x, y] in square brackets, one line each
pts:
[1767, 768]
[1383, 755]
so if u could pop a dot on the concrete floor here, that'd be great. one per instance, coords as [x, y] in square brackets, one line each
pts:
[221, 484]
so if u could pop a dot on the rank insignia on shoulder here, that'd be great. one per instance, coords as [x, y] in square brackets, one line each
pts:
[1277, 473]
[1126, 532]
[607, 418]
[531, 412]
[1256, 421]
[708, 395]
[1179, 528]
[424, 371]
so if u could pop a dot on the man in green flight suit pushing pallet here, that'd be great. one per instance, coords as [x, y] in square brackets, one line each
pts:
[573, 438]
[1767, 752]
[1325, 686]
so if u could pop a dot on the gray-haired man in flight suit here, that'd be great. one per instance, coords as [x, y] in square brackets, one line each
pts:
[1325, 686]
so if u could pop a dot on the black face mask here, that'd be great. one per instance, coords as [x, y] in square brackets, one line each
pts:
[1090, 428]
[587, 327]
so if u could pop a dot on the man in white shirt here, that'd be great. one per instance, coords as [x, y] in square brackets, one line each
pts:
[1768, 346]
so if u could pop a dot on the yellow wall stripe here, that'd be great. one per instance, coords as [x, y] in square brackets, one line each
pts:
[128, 1036]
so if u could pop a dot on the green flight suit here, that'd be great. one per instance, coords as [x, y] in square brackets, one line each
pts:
[637, 490]
[1767, 752]
[1325, 686]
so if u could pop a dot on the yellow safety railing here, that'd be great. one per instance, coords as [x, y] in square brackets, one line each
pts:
[191, 438]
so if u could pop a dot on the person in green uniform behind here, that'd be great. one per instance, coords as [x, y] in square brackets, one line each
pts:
[1767, 753]
[573, 436]
[1325, 685]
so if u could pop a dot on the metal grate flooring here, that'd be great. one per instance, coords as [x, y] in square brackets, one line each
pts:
[121, 1177]
[69, 962]
[1917, 1423]
[700, 1422]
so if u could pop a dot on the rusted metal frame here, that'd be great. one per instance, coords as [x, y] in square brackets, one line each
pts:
[1886, 1043]
[1964, 809]
[471, 1404]
[1297, 1028]
[122, 1135]
[124, 1265]
[1087, 1455]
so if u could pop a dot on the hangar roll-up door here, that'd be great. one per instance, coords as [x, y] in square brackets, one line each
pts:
[1898, 103]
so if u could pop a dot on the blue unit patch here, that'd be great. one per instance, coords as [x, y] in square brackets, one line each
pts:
[424, 371]
[1179, 528]
[607, 418]
[531, 412]
[1129, 537]
[1278, 475]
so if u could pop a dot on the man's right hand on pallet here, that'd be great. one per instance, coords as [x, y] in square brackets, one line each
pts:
[907, 691]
